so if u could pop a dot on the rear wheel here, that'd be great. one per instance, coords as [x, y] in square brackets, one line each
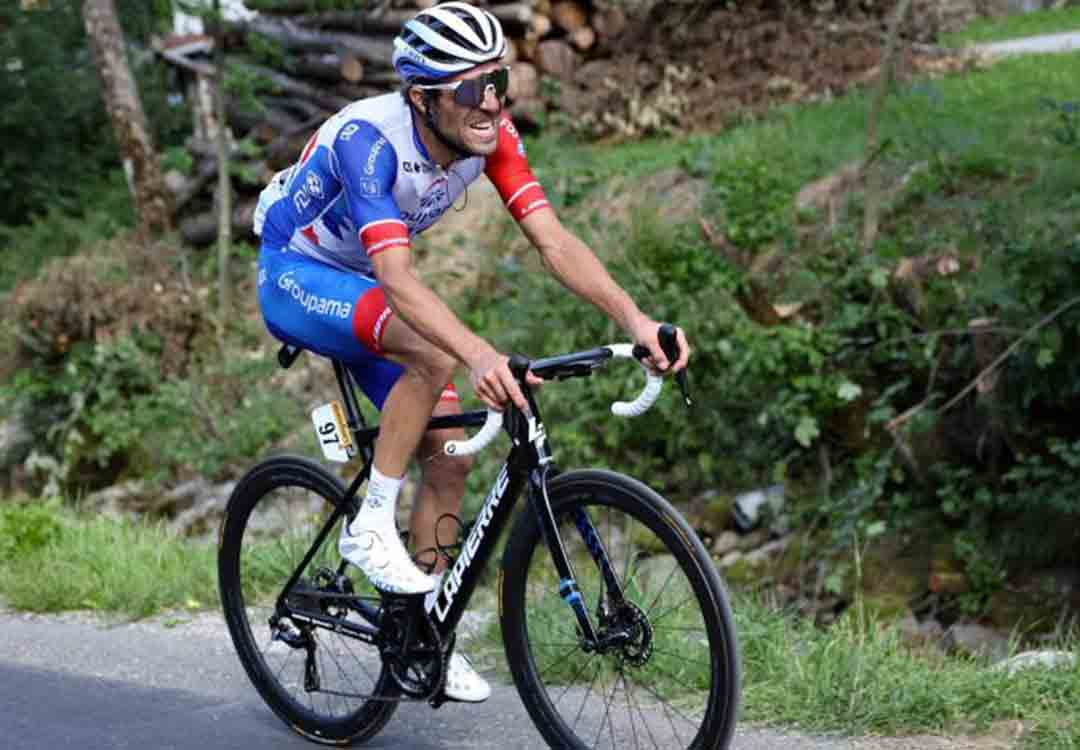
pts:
[667, 672]
[329, 686]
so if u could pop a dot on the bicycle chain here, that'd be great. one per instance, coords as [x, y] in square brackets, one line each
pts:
[435, 696]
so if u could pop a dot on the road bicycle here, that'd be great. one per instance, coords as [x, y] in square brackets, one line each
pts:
[615, 623]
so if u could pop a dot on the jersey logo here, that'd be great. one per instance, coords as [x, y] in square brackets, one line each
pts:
[376, 147]
[314, 185]
[369, 187]
[348, 131]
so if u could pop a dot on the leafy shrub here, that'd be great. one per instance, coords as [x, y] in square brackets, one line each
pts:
[54, 114]
[25, 527]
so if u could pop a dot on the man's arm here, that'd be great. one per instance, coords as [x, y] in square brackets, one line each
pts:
[577, 268]
[426, 313]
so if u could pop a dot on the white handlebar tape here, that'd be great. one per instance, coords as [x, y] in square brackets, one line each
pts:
[479, 441]
[647, 397]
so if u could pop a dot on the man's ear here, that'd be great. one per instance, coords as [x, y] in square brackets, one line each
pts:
[416, 97]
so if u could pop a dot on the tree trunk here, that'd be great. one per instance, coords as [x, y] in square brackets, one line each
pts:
[224, 234]
[129, 121]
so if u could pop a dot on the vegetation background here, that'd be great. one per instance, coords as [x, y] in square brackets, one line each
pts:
[915, 392]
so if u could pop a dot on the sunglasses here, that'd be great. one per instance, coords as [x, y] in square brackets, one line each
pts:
[471, 92]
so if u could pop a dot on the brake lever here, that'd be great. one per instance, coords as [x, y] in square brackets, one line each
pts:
[669, 342]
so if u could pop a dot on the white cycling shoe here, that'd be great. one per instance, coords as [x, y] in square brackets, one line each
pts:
[376, 549]
[463, 683]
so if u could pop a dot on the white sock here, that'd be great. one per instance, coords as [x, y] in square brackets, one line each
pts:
[380, 502]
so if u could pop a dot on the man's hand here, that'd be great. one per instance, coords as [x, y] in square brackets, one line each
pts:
[646, 331]
[495, 384]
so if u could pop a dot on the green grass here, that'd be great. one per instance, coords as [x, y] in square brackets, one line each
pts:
[55, 560]
[1016, 26]
[863, 680]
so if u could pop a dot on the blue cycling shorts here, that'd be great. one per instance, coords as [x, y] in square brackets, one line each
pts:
[335, 313]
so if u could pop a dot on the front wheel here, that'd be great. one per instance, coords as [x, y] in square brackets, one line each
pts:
[666, 672]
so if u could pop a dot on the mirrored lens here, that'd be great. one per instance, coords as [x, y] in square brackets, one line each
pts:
[471, 92]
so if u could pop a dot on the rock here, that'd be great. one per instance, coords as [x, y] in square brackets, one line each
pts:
[976, 640]
[725, 542]
[15, 443]
[753, 540]
[749, 507]
[730, 559]
[716, 515]
[915, 633]
[1037, 660]
[125, 498]
[763, 554]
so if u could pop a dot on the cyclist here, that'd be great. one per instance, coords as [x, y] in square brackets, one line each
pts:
[336, 274]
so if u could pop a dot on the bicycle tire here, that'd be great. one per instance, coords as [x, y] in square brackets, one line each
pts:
[534, 617]
[253, 539]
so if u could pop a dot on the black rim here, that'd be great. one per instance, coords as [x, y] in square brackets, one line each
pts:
[660, 681]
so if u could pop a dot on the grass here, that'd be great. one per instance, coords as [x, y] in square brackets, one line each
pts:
[860, 679]
[1016, 26]
[855, 678]
[55, 560]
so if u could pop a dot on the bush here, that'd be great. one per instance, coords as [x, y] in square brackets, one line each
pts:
[27, 527]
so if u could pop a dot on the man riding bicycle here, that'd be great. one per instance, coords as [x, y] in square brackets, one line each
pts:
[336, 274]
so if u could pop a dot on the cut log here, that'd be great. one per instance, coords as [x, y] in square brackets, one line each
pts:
[583, 38]
[294, 38]
[186, 188]
[524, 82]
[514, 15]
[539, 26]
[201, 229]
[387, 21]
[327, 66]
[609, 22]
[526, 48]
[569, 16]
[281, 84]
[555, 57]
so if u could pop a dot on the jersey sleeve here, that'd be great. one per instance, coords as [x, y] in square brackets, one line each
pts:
[509, 171]
[367, 167]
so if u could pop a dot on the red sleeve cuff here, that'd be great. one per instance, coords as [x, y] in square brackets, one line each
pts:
[383, 235]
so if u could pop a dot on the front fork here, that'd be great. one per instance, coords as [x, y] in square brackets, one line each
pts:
[568, 588]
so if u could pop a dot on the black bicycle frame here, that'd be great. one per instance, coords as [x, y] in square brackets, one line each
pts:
[528, 466]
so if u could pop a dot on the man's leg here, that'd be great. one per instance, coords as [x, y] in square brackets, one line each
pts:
[370, 541]
[442, 487]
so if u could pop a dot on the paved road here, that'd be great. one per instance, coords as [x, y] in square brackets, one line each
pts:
[1068, 41]
[75, 682]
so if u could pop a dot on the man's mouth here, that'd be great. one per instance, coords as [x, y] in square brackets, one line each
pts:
[485, 128]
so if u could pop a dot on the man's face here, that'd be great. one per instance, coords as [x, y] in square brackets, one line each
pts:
[472, 130]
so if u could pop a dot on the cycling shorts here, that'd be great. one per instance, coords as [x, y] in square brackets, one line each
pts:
[332, 312]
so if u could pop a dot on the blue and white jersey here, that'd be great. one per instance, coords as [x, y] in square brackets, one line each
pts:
[365, 183]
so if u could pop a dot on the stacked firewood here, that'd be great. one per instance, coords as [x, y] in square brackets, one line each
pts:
[302, 62]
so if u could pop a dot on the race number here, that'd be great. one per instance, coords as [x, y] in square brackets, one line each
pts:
[332, 432]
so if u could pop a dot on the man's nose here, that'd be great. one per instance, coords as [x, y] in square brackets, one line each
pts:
[491, 103]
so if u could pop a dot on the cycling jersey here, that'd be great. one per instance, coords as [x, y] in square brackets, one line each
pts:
[364, 184]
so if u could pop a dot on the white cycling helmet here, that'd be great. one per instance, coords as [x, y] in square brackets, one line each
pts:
[445, 40]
